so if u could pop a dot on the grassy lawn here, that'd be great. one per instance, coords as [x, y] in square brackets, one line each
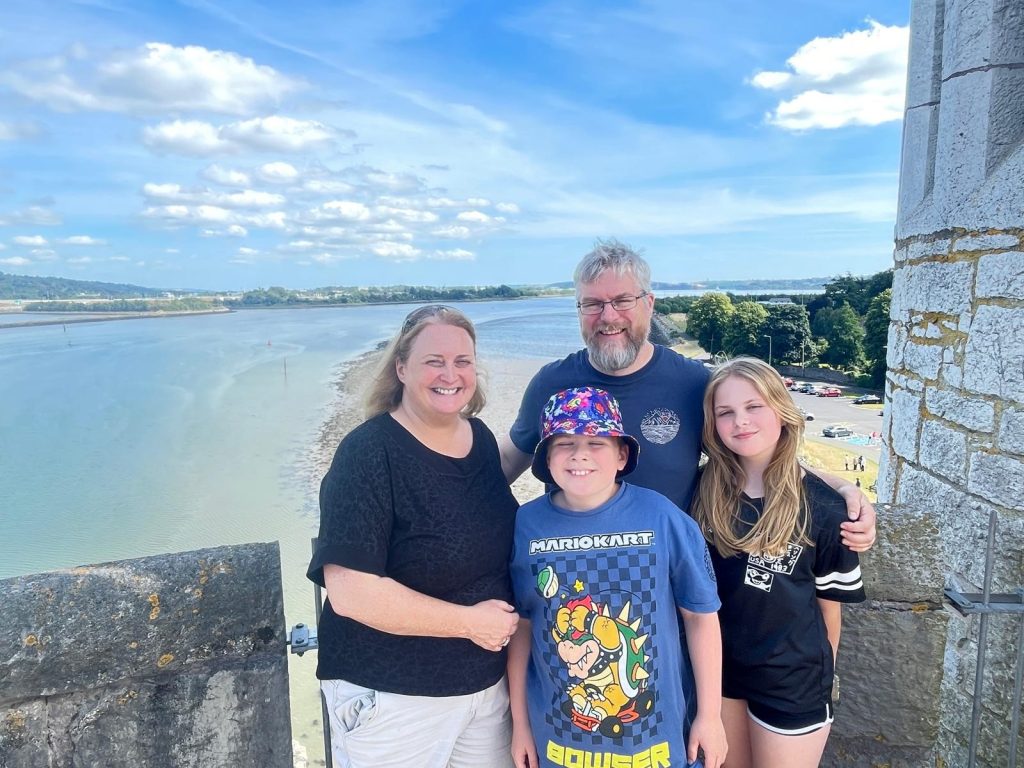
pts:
[830, 459]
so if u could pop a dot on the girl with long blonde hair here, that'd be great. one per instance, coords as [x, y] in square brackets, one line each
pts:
[782, 570]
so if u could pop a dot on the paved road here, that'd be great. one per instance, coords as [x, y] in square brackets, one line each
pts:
[863, 420]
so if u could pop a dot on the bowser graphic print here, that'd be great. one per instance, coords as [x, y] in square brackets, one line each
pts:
[602, 654]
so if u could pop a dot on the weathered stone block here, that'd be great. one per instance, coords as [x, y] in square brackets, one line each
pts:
[906, 563]
[1001, 275]
[905, 423]
[174, 660]
[920, 126]
[1011, 431]
[890, 672]
[969, 412]
[994, 242]
[897, 340]
[961, 154]
[932, 287]
[995, 349]
[999, 479]
[944, 451]
[923, 360]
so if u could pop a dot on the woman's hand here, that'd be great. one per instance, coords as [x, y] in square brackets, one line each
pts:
[491, 624]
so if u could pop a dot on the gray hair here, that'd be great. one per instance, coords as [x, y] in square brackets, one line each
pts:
[385, 391]
[615, 256]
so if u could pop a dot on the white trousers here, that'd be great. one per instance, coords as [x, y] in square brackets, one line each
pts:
[377, 729]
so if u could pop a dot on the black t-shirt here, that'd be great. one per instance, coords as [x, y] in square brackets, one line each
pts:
[441, 526]
[775, 644]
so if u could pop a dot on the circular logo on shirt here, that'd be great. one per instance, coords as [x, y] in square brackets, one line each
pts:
[660, 425]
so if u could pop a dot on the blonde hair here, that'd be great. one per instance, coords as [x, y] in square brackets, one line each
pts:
[717, 503]
[385, 393]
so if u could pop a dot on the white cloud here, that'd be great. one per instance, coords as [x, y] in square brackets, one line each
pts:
[507, 207]
[15, 261]
[226, 176]
[453, 232]
[476, 217]
[185, 137]
[857, 78]
[275, 133]
[154, 78]
[82, 240]
[456, 254]
[246, 198]
[80, 260]
[407, 214]
[328, 187]
[478, 202]
[344, 209]
[243, 251]
[396, 251]
[283, 134]
[234, 230]
[36, 240]
[278, 172]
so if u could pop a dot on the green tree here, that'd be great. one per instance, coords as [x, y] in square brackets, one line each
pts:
[845, 340]
[790, 330]
[745, 334]
[876, 335]
[708, 319]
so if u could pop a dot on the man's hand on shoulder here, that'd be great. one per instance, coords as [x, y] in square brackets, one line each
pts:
[858, 533]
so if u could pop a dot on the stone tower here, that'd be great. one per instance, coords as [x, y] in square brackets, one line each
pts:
[954, 415]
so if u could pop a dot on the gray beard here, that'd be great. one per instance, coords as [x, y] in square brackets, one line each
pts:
[612, 358]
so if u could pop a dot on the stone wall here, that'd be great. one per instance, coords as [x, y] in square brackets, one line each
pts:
[174, 660]
[954, 415]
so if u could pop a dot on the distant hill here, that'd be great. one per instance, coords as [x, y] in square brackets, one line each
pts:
[763, 285]
[31, 288]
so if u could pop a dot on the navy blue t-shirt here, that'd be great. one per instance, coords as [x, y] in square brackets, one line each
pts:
[662, 407]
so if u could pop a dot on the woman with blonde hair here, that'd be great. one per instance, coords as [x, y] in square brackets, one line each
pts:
[415, 532]
[783, 573]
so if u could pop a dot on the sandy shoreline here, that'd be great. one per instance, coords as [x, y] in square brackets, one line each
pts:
[505, 379]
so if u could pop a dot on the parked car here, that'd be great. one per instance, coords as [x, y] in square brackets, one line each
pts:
[808, 416]
[835, 430]
[805, 388]
[788, 382]
[867, 400]
[829, 392]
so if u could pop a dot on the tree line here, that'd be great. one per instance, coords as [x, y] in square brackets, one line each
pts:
[845, 327]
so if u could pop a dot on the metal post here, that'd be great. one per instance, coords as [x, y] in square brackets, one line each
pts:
[979, 672]
[1018, 675]
[769, 348]
[318, 608]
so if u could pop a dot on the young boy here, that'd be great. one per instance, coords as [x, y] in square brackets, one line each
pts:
[598, 568]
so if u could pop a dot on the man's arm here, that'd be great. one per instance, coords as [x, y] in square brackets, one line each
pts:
[858, 533]
[513, 461]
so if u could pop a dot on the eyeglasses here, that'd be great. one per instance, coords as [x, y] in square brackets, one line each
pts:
[421, 313]
[619, 304]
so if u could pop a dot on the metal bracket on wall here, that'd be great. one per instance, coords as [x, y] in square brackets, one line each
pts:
[301, 639]
[975, 602]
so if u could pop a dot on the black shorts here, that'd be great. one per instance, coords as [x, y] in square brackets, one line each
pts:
[788, 723]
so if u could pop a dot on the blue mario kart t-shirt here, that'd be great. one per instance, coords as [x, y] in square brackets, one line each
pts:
[602, 591]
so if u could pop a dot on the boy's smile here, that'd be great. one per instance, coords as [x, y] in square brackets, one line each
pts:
[584, 467]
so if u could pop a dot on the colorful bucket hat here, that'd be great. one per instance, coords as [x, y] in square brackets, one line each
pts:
[581, 411]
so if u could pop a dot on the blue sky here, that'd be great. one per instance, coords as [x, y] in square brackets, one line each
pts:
[229, 145]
